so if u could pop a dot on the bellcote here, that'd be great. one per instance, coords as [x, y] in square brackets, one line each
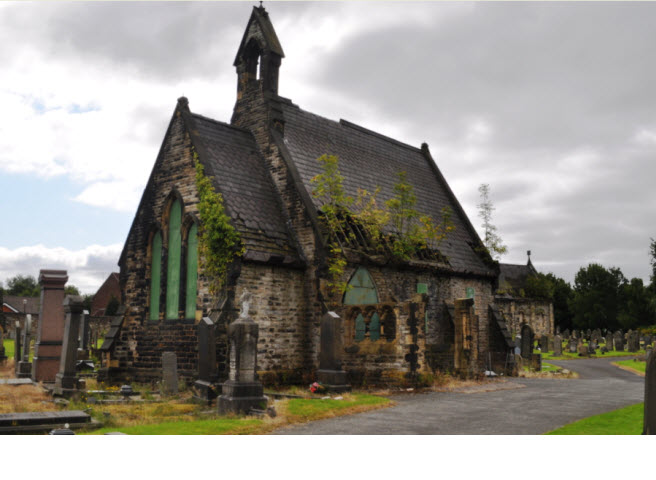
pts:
[259, 56]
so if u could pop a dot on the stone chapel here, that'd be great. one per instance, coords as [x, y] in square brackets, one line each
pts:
[399, 318]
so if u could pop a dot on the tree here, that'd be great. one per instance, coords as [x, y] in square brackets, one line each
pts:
[71, 290]
[597, 297]
[112, 306]
[652, 260]
[539, 286]
[492, 240]
[637, 306]
[23, 286]
[562, 297]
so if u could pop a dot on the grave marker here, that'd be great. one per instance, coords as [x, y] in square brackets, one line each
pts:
[649, 422]
[242, 391]
[50, 329]
[330, 371]
[169, 373]
[66, 380]
[206, 361]
[558, 346]
[527, 341]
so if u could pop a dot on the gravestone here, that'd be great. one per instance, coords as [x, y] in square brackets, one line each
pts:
[527, 341]
[66, 380]
[169, 373]
[536, 362]
[50, 329]
[544, 343]
[566, 333]
[634, 342]
[242, 391]
[648, 340]
[618, 341]
[17, 346]
[575, 334]
[84, 331]
[648, 351]
[571, 345]
[24, 367]
[330, 372]
[582, 348]
[588, 334]
[207, 374]
[558, 346]
[649, 423]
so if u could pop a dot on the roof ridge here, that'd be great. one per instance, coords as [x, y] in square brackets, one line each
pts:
[224, 124]
[362, 129]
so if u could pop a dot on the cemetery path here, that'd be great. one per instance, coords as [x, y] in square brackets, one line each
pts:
[539, 405]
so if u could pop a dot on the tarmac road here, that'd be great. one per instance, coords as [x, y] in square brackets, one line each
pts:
[532, 407]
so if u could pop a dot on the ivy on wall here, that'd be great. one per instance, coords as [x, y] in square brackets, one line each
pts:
[413, 231]
[218, 241]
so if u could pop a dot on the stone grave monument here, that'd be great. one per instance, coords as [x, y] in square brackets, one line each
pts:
[558, 346]
[169, 373]
[618, 341]
[649, 424]
[24, 367]
[66, 381]
[50, 329]
[527, 342]
[330, 372]
[242, 391]
[17, 346]
[572, 345]
[207, 374]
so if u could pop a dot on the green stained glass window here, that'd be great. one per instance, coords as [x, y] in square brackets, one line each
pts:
[173, 267]
[192, 272]
[155, 275]
[374, 327]
[362, 289]
[359, 328]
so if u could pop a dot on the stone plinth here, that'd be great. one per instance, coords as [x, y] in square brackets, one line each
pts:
[66, 380]
[649, 423]
[330, 372]
[242, 391]
[50, 330]
[169, 373]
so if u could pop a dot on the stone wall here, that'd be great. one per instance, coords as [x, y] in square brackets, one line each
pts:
[279, 308]
[536, 313]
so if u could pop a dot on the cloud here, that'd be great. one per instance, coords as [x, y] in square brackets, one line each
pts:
[87, 268]
[550, 103]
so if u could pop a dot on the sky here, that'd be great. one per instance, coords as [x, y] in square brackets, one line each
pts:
[551, 104]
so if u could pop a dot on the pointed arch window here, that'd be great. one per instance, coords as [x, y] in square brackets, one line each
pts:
[192, 272]
[362, 290]
[155, 274]
[173, 263]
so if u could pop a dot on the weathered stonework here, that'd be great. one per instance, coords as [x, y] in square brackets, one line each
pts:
[416, 300]
[538, 314]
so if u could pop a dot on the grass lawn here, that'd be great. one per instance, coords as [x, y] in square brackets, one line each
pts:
[547, 367]
[187, 419]
[637, 366]
[625, 421]
[9, 347]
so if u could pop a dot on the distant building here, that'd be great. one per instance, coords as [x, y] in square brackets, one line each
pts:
[108, 290]
[519, 308]
[16, 308]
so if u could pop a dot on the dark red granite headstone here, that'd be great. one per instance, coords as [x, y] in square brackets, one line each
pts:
[50, 330]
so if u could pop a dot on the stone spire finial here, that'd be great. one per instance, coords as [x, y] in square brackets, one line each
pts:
[245, 299]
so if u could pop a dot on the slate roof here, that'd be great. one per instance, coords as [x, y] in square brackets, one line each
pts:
[369, 160]
[248, 192]
[16, 302]
[514, 276]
